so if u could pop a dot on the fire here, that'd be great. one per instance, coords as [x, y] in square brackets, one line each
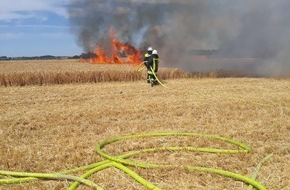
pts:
[121, 53]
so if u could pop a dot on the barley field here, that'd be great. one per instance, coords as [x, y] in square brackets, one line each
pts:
[50, 128]
[44, 72]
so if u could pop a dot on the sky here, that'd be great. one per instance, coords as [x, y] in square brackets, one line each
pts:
[35, 28]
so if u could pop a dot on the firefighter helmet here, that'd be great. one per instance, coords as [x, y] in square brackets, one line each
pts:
[150, 49]
[154, 52]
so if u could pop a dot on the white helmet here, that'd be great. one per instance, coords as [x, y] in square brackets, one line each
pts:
[150, 49]
[154, 52]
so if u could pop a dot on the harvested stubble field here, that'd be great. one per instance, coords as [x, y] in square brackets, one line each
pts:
[53, 128]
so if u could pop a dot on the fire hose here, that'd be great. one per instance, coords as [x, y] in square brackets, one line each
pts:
[143, 67]
[122, 163]
[139, 68]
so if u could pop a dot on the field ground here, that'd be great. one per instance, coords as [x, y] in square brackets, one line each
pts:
[57, 127]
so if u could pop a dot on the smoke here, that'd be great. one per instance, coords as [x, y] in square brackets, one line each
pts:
[249, 36]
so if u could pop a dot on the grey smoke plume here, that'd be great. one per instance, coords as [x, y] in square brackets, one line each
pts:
[250, 36]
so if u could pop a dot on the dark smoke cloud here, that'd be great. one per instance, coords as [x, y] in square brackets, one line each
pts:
[250, 36]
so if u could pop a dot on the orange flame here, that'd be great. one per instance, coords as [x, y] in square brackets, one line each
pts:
[121, 53]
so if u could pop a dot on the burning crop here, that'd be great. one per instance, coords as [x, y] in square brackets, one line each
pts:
[118, 53]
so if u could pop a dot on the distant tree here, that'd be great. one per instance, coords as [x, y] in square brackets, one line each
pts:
[74, 57]
[3, 58]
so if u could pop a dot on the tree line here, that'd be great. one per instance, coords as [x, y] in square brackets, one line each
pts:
[44, 57]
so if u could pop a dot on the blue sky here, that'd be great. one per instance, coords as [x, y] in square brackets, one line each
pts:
[35, 28]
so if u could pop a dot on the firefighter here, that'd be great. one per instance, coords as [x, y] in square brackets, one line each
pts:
[146, 57]
[153, 63]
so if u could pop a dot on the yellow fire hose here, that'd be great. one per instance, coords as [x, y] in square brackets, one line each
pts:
[257, 169]
[51, 176]
[157, 78]
[139, 68]
[121, 162]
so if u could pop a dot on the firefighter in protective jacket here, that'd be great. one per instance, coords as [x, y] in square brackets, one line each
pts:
[153, 63]
[146, 58]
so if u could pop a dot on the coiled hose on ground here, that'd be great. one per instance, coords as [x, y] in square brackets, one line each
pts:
[121, 162]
